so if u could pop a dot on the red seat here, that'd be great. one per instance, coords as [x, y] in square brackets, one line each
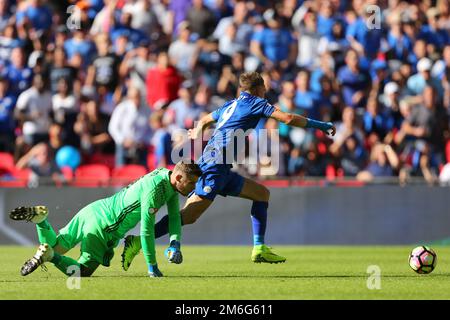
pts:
[92, 175]
[447, 151]
[108, 160]
[128, 173]
[6, 161]
[151, 161]
[19, 179]
[330, 172]
[275, 183]
[67, 173]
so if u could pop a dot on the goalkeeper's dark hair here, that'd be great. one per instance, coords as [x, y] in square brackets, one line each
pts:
[191, 169]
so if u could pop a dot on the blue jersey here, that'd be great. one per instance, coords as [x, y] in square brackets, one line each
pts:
[243, 114]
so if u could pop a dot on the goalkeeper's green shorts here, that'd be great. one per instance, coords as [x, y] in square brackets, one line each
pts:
[97, 246]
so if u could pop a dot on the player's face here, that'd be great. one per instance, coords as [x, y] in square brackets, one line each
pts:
[185, 184]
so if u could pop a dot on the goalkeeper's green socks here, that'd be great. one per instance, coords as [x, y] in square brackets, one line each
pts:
[65, 264]
[46, 234]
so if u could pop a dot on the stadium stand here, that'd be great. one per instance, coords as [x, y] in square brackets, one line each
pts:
[118, 79]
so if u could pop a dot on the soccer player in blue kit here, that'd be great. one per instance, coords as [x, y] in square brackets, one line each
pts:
[242, 113]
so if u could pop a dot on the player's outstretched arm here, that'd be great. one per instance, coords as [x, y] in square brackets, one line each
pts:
[296, 120]
[173, 252]
[202, 124]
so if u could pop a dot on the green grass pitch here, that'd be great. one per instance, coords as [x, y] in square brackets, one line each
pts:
[226, 272]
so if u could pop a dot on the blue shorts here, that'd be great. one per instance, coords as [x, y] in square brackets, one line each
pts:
[218, 179]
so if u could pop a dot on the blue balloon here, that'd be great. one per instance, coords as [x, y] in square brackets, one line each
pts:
[68, 156]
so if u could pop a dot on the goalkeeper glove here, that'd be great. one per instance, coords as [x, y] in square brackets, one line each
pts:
[173, 252]
[153, 271]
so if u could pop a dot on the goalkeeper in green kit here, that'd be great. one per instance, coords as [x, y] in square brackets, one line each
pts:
[100, 225]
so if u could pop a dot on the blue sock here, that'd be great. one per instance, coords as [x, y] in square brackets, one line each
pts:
[259, 221]
[162, 226]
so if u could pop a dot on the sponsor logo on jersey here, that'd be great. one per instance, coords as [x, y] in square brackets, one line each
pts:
[207, 189]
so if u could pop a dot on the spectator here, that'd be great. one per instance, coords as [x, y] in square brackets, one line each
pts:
[366, 41]
[7, 123]
[129, 129]
[8, 41]
[348, 127]
[306, 100]
[79, 47]
[125, 29]
[274, 45]
[35, 13]
[61, 70]
[210, 62]
[383, 163]
[182, 52]
[239, 22]
[41, 161]
[228, 83]
[184, 111]
[5, 14]
[33, 113]
[305, 24]
[375, 121]
[105, 66]
[143, 17]
[65, 109]
[18, 74]
[354, 81]
[178, 10]
[352, 155]
[417, 83]
[432, 32]
[163, 82]
[201, 19]
[136, 65]
[92, 128]
[161, 140]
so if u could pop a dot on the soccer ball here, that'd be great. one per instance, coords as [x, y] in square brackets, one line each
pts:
[422, 259]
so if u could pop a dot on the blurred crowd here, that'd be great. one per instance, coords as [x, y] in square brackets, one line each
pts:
[119, 77]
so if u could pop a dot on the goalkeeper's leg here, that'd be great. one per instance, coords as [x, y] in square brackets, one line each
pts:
[53, 247]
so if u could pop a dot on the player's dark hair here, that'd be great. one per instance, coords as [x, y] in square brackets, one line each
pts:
[250, 81]
[191, 169]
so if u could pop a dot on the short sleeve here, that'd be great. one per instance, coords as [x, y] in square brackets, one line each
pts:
[264, 108]
[216, 114]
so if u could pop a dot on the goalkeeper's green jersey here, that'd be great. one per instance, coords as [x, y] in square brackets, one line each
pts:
[139, 202]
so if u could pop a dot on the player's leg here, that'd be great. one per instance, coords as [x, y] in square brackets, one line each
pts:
[37, 215]
[195, 206]
[260, 196]
[46, 234]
